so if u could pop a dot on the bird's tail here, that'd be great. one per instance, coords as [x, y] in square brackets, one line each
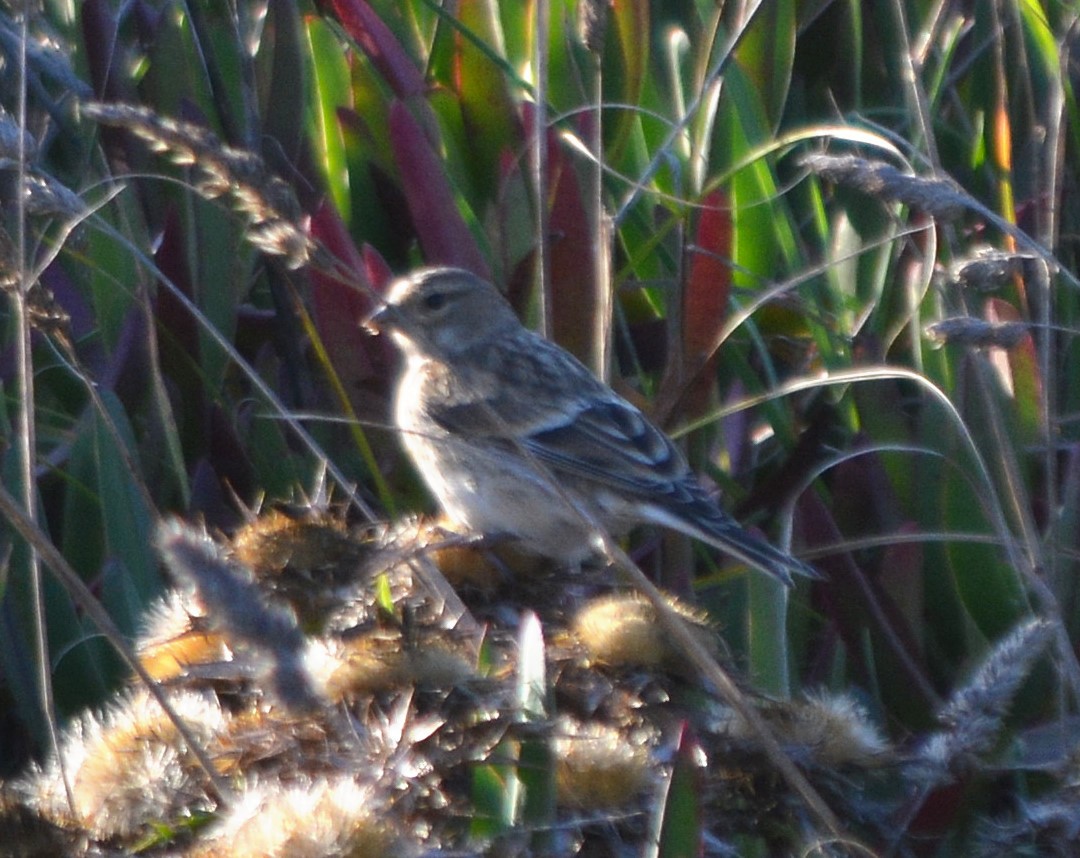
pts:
[710, 524]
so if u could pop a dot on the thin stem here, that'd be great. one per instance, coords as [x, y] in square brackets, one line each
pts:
[26, 431]
[540, 163]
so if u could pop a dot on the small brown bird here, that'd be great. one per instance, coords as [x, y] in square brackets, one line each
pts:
[514, 436]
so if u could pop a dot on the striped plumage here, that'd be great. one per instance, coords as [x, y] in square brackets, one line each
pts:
[515, 436]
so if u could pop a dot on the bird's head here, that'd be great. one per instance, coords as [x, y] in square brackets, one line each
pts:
[440, 312]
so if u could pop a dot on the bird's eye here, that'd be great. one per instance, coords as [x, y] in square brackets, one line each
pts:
[435, 300]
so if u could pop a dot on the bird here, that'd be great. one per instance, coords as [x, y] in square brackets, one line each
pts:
[515, 437]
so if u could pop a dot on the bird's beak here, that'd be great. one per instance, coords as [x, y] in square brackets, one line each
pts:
[379, 320]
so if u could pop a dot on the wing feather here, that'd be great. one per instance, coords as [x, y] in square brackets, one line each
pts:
[543, 400]
[540, 397]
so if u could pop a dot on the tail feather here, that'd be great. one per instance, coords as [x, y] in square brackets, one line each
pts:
[718, 529]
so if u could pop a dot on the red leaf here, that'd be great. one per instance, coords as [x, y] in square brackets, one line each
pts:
[574, 302]
[338, 308]
[443, 233]
[705, 300]
[381, 46]
[1018, 367]
[378, 272]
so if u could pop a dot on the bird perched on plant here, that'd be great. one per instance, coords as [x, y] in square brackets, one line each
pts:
[514, 436]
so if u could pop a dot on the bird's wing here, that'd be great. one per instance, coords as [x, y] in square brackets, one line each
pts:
[540, 400]
[572, 424]
[609, 442]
